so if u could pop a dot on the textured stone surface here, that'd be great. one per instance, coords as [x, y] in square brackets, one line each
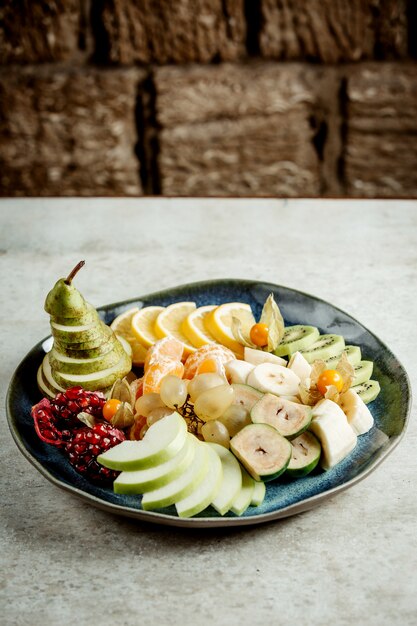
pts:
[235, 130]
[68, 132]
[333, 30]
[381, 141]
[164, 31]
[39, 30]
[350, 561]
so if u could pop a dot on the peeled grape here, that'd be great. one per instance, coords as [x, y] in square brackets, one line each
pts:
[235, 418]
[212, 403]
[157, 414]
[173, 391]
[216, 432]
[203, 382]
[146, 403]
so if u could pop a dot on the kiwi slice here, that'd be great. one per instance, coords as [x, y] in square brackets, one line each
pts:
[289, 418]
[296, 338]
[353, 354]
[262, 451]
[363, 372]
[325, 347]
[246, 395]
[306, 452]
[368, 390]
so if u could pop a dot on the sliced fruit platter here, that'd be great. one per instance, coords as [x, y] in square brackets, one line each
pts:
[223, 402]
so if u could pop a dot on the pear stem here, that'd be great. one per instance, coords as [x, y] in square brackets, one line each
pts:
[71, 275]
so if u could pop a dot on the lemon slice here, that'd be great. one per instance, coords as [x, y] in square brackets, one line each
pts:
[122, 325]
[142, 325]
[219, 323]
[169, 323]
[194, 329]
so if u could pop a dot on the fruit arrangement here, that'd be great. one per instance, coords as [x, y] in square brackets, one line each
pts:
[217, 404]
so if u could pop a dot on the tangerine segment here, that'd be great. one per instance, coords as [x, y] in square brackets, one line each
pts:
[168, 348]
[157, 371]
[219, 323]
[194, 329]
[210, 352]
[122, 325]
[169, 321]
[143, 325]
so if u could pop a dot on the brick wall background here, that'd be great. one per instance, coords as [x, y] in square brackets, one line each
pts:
[208, 97]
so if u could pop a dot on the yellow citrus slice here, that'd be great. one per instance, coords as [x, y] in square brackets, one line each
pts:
[219, 323]
[143, 325]
[122, 325]
[194, 329]
[169, 322]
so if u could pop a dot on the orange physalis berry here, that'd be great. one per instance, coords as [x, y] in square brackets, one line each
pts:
[110, 408]
[259, 335]
[328, 378]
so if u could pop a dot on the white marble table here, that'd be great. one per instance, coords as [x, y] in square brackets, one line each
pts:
[352, 560]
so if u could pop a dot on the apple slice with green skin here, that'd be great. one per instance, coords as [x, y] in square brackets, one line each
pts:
[232, 479]
[259, 491]
[203, 494]
[162, 442]
[141, 481]
[182, 486]
[244, 497]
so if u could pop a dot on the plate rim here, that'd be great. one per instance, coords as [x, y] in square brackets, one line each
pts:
[209, 522]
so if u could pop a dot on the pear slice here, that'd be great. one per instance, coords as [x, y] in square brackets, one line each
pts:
[97, 379]
[70, 365]
[232, 479]
[47, 372]
[183, 485]
[90, 352]
[244, 497]
[43, 387]
[140, 481]
[203, 494]
[74, 335]
[162, 442]
[89, 316]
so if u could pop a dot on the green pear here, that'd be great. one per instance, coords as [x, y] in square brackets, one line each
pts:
[97, 379]
[64, 300]
[70, 365]
[85, 351]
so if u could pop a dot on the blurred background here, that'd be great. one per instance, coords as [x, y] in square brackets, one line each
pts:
[208, 97]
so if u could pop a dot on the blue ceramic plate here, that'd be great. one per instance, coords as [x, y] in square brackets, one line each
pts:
[284, 497]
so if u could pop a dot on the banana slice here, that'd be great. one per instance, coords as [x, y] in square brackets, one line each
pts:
[237, 371]
[336, 436]
[300, 366]
[273, 378]
[357, 413]
[256, 357]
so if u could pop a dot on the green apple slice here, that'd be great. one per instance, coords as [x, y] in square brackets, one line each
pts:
[162, 442]
[259, 491]
[244, 497]
[140, 481]
[179, 488]
[232, 479]
[96, 380]
[206, 491]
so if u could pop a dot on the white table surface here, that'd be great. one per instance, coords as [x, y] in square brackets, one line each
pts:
[352, 560]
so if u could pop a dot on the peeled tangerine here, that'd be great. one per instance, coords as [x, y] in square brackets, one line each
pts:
[336, 436]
